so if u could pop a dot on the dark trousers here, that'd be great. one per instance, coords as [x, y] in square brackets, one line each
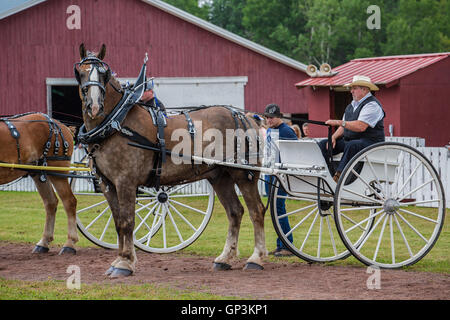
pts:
[281, 210]
[349, 148]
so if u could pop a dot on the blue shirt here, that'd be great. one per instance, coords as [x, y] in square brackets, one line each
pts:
[282, 132]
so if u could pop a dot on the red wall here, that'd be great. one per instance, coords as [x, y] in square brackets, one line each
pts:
[36, 44]
[390, 100]
[425, 106]
[319, 105]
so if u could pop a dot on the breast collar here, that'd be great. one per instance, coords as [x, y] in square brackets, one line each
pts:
[113, 121]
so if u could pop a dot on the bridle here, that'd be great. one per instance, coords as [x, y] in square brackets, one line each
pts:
[96, 64]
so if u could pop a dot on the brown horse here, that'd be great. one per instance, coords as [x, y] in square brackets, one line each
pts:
[122, 168]
[31, 139]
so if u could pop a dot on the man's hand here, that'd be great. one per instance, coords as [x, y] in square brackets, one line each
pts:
[334, 123]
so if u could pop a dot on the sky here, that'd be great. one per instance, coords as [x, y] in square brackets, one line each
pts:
[8, 4]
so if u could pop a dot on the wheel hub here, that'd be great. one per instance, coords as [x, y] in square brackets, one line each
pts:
[391, 206]
[162, 197]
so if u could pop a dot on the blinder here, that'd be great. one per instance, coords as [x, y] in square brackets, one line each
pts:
[102, 68]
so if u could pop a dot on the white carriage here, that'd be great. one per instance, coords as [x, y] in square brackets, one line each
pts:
[375, 205]
[378, 215]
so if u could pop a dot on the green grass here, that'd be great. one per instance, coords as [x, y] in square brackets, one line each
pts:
[22, 220]
[57, 290]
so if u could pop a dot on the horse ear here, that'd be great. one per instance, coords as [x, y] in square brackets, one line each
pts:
[102, 52]
[82, 51]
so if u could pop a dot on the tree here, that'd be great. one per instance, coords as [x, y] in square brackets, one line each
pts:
[192, 7]
[419, 27]
[228, 15]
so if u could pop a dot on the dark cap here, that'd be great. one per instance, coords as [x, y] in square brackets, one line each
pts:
[272, 110]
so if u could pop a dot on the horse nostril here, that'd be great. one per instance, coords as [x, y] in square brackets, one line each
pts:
[95, 110]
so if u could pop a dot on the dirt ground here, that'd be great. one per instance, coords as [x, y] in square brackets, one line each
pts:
[278, 280]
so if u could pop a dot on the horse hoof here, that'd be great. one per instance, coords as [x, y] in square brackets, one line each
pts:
[120, 273]
[219, 266]
[67, 250]
[40, 249]
[109, 271]
[253, 266]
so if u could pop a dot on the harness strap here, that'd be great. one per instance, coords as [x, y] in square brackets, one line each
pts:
[154, 177]
[16, 135]
[192, 132]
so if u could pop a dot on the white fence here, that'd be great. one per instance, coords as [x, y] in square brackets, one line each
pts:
[439, 157]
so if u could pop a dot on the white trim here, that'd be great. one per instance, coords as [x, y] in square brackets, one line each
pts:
[227, 35]
[172, 80]
[19, 8]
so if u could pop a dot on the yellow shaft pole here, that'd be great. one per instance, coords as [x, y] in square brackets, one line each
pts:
[47, 168]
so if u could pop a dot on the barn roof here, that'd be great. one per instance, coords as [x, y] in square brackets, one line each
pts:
[196, 21]
[381, 70]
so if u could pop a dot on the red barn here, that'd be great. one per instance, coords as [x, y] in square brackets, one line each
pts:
[414, 92]
[40, 42]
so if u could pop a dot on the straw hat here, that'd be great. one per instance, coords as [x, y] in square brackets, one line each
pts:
[362, 81]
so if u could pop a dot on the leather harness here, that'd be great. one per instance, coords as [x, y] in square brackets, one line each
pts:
[54, 129]
[113, 123]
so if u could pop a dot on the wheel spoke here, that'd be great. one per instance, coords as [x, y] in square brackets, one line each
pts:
[105, 228]
[150, 234]
[145, 218]
[418, 215]
[414, 190]
[403, 236]
[363, 196]
[374, 174]
[391, 226]
[188, 207]
[333, 243]
[182, 217]
[90, 207]
[364, 220]
[405, 204]
[189, 195]
[301, 221]
[145, 206]
[97, 217]
[407, 180]
[296, 211]
[163, 217]
[379, 240]
[174, 224]
[412, 228]
[309, 231]
[371, 231]
[368, 185]
[320, 237]
[361, 208]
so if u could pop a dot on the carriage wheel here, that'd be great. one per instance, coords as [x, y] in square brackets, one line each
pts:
[186, 214]
[315, 238]
[172, 218]
[401, 192]
[94, 216]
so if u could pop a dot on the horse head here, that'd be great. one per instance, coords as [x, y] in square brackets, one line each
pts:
[92, 75]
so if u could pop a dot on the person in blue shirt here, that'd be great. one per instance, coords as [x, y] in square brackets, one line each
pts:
[284, 132]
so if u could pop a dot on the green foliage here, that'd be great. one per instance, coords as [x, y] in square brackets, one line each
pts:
[332, 31]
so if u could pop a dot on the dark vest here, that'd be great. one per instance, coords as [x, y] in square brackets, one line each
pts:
[376, 133]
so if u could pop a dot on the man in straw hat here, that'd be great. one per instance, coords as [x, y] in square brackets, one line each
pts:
[361, 125]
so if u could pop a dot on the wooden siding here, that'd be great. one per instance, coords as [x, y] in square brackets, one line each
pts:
[36, 44]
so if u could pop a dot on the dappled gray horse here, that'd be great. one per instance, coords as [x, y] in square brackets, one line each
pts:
[123, 168]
